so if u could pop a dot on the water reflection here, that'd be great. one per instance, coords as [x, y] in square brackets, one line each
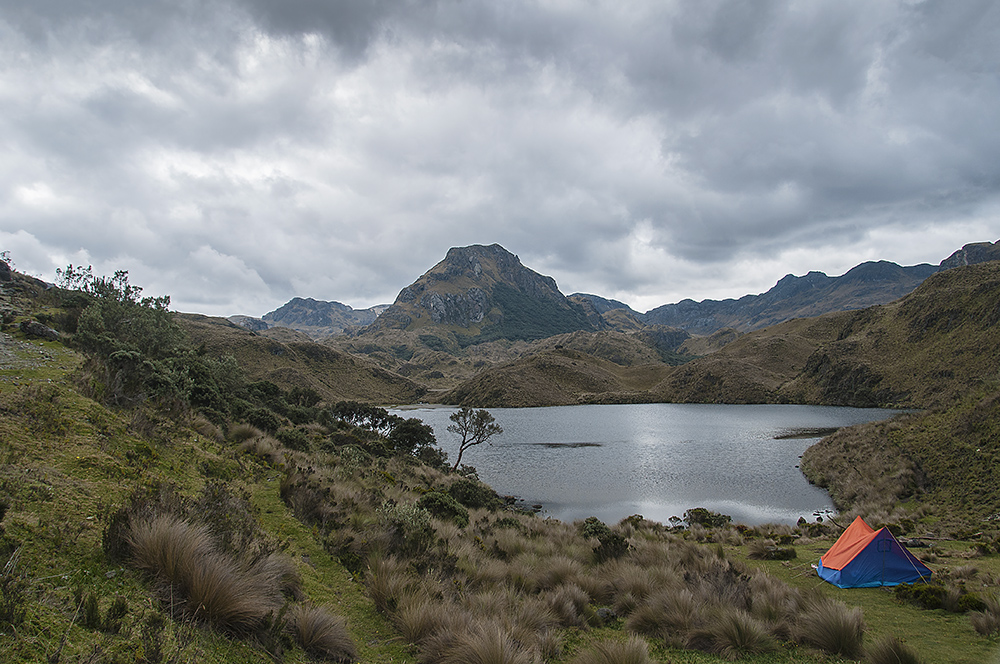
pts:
[655, 459]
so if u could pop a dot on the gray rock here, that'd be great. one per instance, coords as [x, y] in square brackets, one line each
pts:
[36, 329]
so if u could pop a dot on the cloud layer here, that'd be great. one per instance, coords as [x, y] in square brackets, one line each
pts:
[237, 153]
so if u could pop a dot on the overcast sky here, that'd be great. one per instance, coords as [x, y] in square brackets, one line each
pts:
[237, 153]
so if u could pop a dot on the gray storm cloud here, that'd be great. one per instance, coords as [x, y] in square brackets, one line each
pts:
[235, 154]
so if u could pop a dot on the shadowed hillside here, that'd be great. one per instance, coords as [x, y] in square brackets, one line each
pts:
[925, 349]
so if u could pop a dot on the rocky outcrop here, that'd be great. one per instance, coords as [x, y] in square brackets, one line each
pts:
[35, 329]
[972, 254]
[249, 323]
[318, 319]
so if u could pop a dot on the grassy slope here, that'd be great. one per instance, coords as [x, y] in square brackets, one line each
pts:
[66, 460]
[942, 463]
[557, 377]
[925, 349]
[333, 374]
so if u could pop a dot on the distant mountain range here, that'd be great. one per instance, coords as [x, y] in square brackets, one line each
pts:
[482, 293]
[315, 318]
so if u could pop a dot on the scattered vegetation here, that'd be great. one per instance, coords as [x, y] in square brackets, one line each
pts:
[185, 526]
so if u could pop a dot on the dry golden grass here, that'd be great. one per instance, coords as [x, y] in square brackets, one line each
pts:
[831, 626]
[632, 651]
[890, 650]
[201, 582]
[322, 634]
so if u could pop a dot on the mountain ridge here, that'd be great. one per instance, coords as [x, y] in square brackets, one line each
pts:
[457, 295]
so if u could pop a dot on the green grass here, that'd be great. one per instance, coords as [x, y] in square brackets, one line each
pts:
[937, 636]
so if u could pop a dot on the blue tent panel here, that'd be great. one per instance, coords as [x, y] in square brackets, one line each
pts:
[882, 562]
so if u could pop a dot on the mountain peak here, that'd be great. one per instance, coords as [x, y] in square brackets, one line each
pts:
[483, 292]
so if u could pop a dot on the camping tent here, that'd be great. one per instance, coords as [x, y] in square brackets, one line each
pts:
[866, 558]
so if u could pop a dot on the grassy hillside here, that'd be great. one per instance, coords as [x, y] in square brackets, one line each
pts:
[555, 378]
[144, 532]
[440, 364]
[925, 349]
[411, 579]
[940, 466]
[334, 375]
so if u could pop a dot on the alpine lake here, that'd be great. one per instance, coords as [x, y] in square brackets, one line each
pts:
[657, 460]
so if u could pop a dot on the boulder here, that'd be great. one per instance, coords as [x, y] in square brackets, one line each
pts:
[36, 329]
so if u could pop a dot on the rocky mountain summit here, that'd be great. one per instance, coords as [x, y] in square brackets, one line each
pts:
[317, 319]
[480, 293]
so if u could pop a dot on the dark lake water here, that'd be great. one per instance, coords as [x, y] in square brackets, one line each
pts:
[657, 460]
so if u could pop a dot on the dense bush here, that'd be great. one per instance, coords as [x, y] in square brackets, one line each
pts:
[443, 506]
[475, 495]
[706, 518]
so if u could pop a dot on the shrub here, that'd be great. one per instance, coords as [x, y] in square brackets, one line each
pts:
[433, 457]
[443, 506]
[706, 518]
[263, 419]
[611, 546]
[322, 634]
[411, 435]
[410, 531]
[632, 651]
[475, 495]
[594, 528]
[295, 439]
[924, 595]
[891, 650]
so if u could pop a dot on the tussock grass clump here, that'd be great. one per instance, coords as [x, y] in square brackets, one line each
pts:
[632, 651]
[417, 620]
[732, 633]
[831, 626]
[570, 603]
[668, 615]
[389, 583]
[201, 582]
[242, 432]
[768, 549]
[263, 447]
[486, 644]
[322, 634]
[987, 621]
[891, 650]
